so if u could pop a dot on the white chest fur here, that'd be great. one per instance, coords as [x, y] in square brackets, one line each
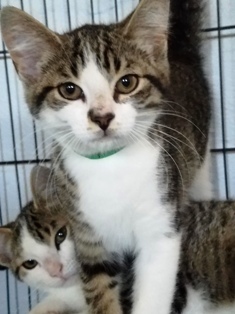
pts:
[119, 194]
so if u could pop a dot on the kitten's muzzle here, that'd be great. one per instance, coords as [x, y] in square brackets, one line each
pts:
[103, 121]
[54, 268]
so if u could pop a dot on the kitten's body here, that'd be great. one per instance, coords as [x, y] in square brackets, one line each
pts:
[208, 251]
[125, 86]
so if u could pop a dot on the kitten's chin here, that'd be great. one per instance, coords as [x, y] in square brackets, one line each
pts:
[99, 144]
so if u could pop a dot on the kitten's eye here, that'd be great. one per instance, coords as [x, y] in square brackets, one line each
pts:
[127, 84]
[60, 236]
[70, 91]
[30, 264]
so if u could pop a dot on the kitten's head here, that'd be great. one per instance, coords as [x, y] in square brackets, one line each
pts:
[37, 246]
[98, 87]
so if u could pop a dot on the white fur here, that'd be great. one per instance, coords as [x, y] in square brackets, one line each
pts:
[121, 200]
[63, 300]
[120, 195]
[39, 277]
[196, 304]
[72, 127]
[65, 292]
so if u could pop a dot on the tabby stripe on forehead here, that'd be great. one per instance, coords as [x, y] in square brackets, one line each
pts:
[73, 68]
[47, 230]
[77, 51]
[99, 55]
[156, 82]
[106, 58]
[117, 63]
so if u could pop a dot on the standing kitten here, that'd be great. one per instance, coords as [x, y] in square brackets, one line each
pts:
[39, 250]
[129, 108]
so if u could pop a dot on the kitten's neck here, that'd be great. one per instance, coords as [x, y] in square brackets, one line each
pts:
[103, 155]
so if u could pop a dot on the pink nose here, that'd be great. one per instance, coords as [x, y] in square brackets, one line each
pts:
[54, 268]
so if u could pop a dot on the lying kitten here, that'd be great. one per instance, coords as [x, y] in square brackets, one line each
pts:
[38, 249]
[129, 108]
[38, 243]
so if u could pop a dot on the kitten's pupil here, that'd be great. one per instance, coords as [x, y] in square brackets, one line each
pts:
[126, 81]
[70, 89]
[30, 264]
[60, 236]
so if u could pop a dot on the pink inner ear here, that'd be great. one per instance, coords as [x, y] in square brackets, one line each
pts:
[26, 62]
[28, 50]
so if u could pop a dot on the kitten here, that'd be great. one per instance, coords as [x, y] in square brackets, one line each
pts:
[39, 250]
[206, 279]
[129, 108]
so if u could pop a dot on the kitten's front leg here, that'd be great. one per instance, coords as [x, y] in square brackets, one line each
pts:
[156, 268]
[101, 290]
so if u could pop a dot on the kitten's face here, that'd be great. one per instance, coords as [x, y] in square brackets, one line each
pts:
[99, 87]
[48, 264]
[42, 250]
[102, 118]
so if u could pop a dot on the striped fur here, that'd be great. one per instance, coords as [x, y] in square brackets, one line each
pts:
[207, 258]
[208, 250]
[162, 124]
[32, 236]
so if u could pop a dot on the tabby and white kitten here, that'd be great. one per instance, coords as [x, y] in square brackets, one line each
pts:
[129, 108]
[38, 248]
[206, 277]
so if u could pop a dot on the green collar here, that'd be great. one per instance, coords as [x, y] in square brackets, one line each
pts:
[104, 155]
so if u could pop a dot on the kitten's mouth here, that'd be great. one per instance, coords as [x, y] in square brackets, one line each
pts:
[105, 134]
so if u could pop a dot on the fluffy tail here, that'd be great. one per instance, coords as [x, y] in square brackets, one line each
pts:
[185, 26]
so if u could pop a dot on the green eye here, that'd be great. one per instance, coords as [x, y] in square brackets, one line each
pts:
[60, 236]
[127, 84]
[70, 91]
[30, 264]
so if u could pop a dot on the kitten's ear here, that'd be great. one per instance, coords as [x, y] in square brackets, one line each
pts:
[5, 245]
[29, 42]
[40, 179]
[148, 26]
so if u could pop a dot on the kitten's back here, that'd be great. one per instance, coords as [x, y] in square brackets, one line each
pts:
[208, 250]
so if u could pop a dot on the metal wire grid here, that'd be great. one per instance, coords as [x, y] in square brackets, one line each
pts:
[20, 166]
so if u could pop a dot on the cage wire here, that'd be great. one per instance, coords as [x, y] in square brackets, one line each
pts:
[22, 144]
